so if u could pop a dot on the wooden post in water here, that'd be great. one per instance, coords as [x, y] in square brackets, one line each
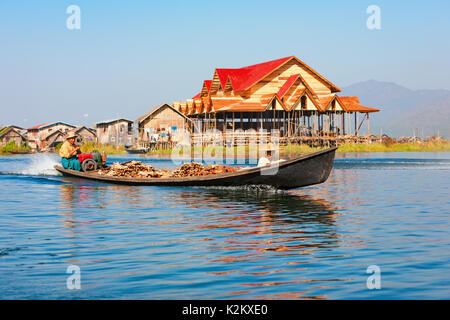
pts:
[232, 114]
[242, 122]
[261, 121]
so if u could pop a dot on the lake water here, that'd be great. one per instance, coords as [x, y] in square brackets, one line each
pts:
[391, 210]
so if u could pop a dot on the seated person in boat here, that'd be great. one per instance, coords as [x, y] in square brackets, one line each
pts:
[69, 153]
[267, 159]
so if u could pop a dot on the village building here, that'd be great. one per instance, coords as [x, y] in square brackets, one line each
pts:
[116, 132]
[285, 95]
[12, 134]
[86, 134]
[18, 128]
[47, 135]
[54, 138]
[160, 123]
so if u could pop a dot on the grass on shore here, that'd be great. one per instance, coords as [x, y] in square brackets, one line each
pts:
[12, 147]
[285, 151]
[437, 146]
[294, 150]
[237, 152]
[91, 146]
[108, 149]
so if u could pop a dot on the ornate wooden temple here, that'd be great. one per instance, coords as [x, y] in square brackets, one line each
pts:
[285, 95]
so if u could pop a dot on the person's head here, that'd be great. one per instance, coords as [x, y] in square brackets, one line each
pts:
[269, 150]
[71, 137]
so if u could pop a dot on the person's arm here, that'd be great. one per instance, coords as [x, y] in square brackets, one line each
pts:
[68, 151]
[75, 150]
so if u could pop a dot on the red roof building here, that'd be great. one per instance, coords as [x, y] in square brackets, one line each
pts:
[284, 94]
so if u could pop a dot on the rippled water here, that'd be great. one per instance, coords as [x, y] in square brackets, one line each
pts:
[390, 210]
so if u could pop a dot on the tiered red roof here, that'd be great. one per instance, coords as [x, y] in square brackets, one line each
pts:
[241, 79]
[287, 85]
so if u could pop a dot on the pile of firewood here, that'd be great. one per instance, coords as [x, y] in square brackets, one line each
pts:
[132, 169]
[197, 169]
[137, 169]
[188, 170]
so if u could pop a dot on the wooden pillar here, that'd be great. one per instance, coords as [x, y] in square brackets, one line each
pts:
[242, 122]
[343, 122]
[289, 124]
[224, 128]
[368, 125]
[261, 120]
[273, 119]
[232, 114]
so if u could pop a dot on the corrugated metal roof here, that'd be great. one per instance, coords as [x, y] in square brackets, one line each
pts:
[44, 125]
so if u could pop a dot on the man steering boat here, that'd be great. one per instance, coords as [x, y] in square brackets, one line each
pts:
[69, 153]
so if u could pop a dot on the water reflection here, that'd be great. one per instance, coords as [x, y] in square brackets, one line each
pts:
[293, 223]
[200, 243]
[239, 231]
[283, 233]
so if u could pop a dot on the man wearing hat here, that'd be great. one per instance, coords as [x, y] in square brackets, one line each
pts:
[69, 152]
[266, 160]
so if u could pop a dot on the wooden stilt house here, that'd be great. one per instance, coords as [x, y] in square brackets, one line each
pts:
[285, 95]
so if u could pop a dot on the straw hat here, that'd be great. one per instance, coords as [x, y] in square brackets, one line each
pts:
[70, 134]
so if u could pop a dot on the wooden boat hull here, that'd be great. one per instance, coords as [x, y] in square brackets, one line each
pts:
[304, 171]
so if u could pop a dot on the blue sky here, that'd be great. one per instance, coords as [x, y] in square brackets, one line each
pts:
[129, 56]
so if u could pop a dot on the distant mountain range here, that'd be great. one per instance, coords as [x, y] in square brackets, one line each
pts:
[404, 112]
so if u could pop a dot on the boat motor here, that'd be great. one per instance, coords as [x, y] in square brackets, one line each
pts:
[92, 161]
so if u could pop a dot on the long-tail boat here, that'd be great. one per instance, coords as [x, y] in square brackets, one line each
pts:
[310, 169]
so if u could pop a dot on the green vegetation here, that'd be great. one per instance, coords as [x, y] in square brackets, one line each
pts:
[238, 151]
[58, 146]
[3, 129]
[432, 146]
[106, 148]
[294, 150]
[287, 151]
[91, 146]
[12, 147]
